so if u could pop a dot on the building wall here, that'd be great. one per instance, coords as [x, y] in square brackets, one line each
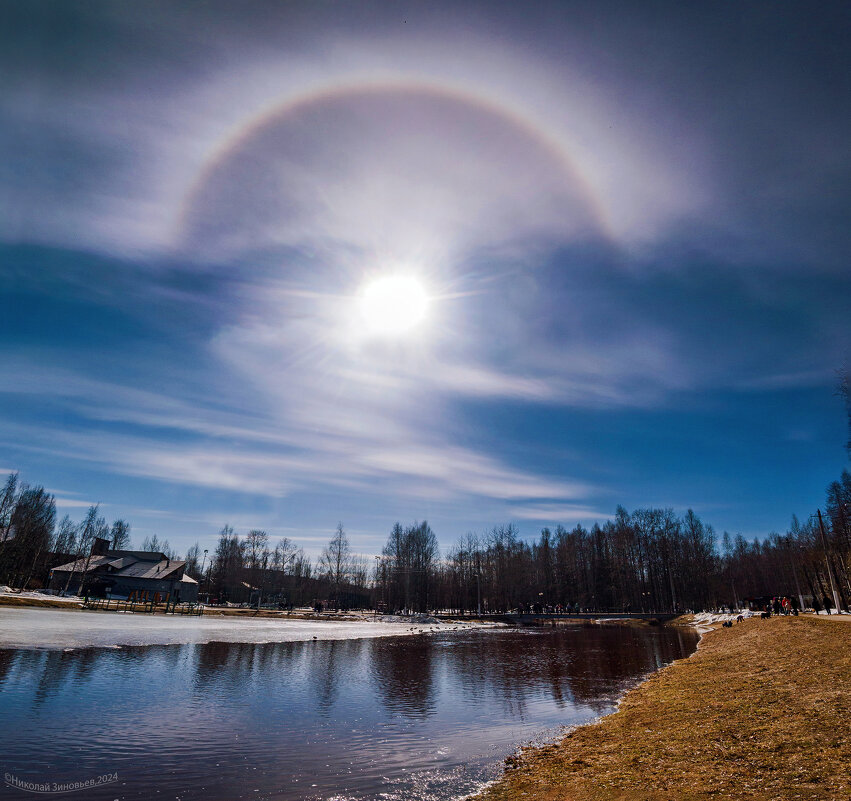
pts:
[124, 585]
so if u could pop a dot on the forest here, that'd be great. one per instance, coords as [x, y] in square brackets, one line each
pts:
[648, 560]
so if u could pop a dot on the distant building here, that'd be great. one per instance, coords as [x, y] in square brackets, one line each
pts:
[120, 573]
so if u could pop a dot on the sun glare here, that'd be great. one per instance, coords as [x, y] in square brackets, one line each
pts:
[393, 305]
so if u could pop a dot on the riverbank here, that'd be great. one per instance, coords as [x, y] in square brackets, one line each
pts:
[38, 600]
[760, 711]
[62, 629]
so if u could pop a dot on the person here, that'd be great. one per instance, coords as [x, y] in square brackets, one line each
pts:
[816, 607]
[826, 604]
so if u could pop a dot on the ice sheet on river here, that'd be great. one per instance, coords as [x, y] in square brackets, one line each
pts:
[57, 629]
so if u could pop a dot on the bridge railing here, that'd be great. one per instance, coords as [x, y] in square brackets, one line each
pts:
[144, 607]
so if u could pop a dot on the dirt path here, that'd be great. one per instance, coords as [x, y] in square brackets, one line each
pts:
[761, 711]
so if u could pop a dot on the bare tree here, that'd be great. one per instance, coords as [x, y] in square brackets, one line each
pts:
[227, 563]
[845, 392]
[91, 528]
[66, 537]
[193, 559]
[120, 536]
[155, 545]
[8, 499]
[285, 552]
[256, 544]
[32, 522]
[336, 561]
[359, 571]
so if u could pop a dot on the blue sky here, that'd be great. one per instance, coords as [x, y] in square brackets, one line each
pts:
[631, 222]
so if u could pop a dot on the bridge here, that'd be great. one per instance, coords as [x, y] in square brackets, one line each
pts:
[548, 618]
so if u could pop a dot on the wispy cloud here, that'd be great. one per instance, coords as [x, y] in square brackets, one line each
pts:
[312, 442]
[73, 503]
[787, 380]
[600, 235]
[555, 513]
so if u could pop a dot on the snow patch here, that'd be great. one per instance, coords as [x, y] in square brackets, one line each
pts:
[36, 627]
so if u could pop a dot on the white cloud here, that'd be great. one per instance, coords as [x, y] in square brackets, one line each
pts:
[153, 145]
[555, 513]
[73, 503]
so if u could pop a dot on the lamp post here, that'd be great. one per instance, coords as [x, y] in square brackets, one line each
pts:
[377, 563]
[207, 582]
[478, 585]
[203, 562]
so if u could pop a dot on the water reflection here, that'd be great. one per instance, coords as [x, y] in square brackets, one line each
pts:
[402, 670]
[414, 717]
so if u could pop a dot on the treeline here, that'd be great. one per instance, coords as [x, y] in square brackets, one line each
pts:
[811, 559]
[649, 560]
[246, 569]
[32, 543]
[240, 569]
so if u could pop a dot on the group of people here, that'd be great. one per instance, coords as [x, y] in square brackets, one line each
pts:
[538, 608]
[782, 606]
[825, 602]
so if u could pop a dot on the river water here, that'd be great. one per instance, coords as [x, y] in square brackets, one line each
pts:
[428, 716]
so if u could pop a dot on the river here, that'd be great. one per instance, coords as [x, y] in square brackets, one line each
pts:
[428, 716]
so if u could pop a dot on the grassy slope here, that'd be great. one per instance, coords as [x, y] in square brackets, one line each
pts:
[761, 711]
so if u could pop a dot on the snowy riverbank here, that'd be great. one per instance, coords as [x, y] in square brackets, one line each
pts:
[30, 627]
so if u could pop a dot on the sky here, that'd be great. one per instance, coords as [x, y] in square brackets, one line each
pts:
[628, 227]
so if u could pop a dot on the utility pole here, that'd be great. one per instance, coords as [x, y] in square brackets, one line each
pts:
[827, 562]
[378, 596]
[201, 583]
[478, 586]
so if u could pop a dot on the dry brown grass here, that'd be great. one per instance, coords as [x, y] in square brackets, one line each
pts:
[761, 711]
[52, 603]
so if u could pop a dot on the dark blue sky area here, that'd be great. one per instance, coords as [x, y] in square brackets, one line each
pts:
[627, 226]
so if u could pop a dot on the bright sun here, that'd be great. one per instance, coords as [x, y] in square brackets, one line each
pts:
[393, 305]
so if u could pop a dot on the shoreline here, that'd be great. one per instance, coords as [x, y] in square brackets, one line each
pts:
[34, 599]
[28, 627]
[755, 711]
[701, 628]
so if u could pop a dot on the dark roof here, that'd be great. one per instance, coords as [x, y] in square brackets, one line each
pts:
[138, 564]
[79, 565]
[157, 570]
